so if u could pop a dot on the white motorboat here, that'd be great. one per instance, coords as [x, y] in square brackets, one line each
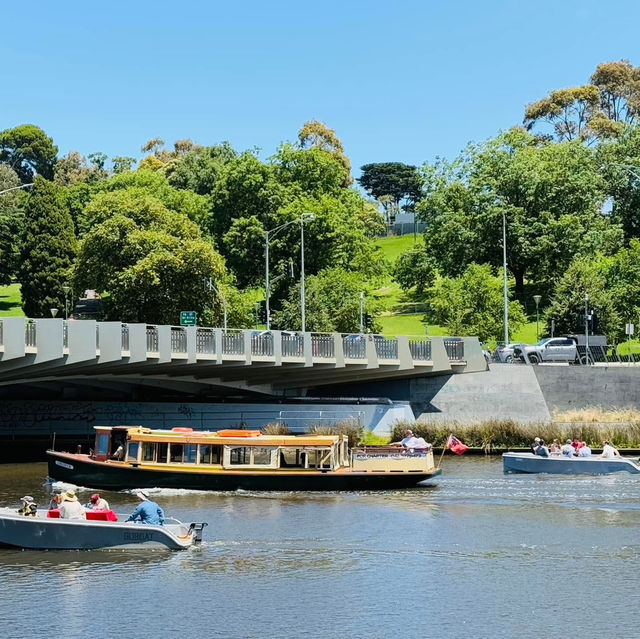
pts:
[561, 465]
[47, 533]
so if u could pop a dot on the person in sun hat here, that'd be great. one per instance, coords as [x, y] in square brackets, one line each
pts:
[534, 446]
[29, 507]
[97, 503]
[71, 508]
[148, 512]
[568, 450]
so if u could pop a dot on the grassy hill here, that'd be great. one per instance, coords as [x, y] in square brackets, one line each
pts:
[10, 300]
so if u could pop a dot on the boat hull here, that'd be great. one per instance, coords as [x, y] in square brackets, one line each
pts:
[534, 464]
[41, 533]
[82, 471]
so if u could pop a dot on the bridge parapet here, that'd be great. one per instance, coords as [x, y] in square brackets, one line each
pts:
[165, 350]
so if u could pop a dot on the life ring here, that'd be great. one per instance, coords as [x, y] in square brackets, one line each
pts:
[182, 430]
[238, 433]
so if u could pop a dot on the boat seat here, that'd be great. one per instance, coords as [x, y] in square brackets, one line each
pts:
[101, 515]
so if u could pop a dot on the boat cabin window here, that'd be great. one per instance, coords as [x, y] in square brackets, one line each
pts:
[148, 452]
[210, 454]
[102, 447]
[132, 451]
[190, 453]
[306, 458]
[163, 449]
[177, 451]
[250, 456]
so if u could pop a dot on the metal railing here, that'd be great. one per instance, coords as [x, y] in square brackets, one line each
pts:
[30, 333]
[262, 344]
[125, 337]
[354, 346]
[292, 345]
[386, 348]
[205, 341]
[420, 350]
[1, 333]
[455, 349]
[65, 335]
[323, 346]
[233, 342]
[152, 339]
[178, 339]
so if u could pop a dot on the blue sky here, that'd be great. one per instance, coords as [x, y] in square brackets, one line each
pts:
[398, 81]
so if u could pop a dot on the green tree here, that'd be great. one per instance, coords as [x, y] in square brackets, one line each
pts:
[150, 261]
[314, 134]
[123, 163]
[48, 250]
[11, 223]
[332, 303]
[472, 304]
[28, 150]
[392, 183]
[200, 169]
[585, 275]
[415, 269]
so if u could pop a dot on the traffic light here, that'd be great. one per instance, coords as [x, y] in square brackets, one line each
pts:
[368, 320]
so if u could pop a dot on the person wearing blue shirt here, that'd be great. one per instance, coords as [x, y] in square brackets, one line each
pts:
[542, 450]
[148, 512]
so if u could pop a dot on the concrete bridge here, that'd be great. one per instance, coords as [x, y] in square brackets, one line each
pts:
[61, 355]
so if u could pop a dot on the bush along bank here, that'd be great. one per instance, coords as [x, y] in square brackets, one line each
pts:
[500, 435]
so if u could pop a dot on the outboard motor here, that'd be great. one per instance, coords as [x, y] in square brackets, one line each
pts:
[196, 529]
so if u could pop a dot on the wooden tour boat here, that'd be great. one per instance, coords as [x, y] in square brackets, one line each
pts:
[237, 459]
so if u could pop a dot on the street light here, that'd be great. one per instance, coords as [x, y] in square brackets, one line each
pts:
[66, 288]
[506, 284]
[54, 311]
[361, 313]
[209, 284]
[536, 299]
[267, 241]
[15, 188]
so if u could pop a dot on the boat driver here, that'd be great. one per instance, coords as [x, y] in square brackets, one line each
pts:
[148, 512]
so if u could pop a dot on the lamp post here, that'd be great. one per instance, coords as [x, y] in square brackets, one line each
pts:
[586, 328]
[209, 285]
[361, 313]
[66, 288]
[506, 283]
[54, 311]
[267, 241]
[536, 299]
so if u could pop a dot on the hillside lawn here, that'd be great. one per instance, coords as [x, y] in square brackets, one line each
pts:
[10, 301]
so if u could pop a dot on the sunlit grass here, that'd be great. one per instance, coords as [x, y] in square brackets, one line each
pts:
[10, 301]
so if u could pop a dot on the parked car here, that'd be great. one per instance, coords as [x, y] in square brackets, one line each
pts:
[504, 352]
[562, 349]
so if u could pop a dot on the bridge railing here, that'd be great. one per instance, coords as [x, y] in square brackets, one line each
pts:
[420, 349]
[455, 349]
[323, 346]
[124, 341]
[292, 344]
[178, 339]
[262, 344]
[30, 333]
[205, 341]
[152, 339]
[233, 342]
[355, 346]
[386, 347]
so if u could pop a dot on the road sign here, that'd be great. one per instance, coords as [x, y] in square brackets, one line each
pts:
[629, 329]
[188, 318]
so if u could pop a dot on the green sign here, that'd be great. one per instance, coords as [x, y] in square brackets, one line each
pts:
[188, 318]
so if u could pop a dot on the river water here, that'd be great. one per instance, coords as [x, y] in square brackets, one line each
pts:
[476, 554]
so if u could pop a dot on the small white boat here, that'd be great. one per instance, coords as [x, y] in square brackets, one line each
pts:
[46, 533]
[561, 465]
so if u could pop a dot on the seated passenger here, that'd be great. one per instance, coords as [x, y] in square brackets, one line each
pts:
[417, 443]
[119, 454]
[56, 499]
[568, 450]
[542, 450]
[556, 449]
[407, 435]
[97, 503]
[609, 452]
[71, 508]
[29, 507]
[577, 445]
[584, 450]
[534, 446]
[148, 512]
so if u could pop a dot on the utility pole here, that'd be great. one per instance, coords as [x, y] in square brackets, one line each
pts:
[506, 283]
[586, 329]
[361, 313]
